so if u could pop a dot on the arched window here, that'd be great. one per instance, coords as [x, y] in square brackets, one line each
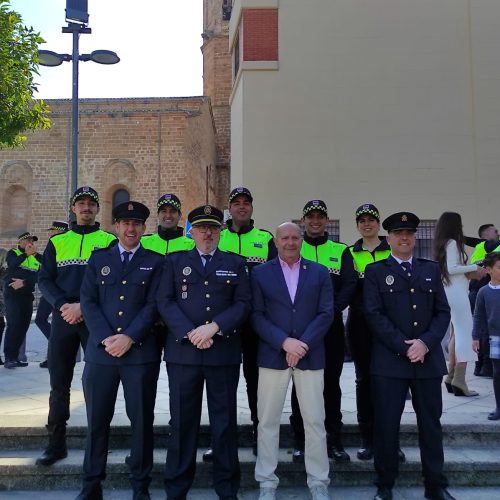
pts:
[16, 210]
[119, 196]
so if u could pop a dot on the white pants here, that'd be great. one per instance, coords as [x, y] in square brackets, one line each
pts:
[271, 393]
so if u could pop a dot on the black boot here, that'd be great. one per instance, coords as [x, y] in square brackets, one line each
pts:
[336, 450]
[56, 449]
[88, 492]
[254, 440]
[366, 450]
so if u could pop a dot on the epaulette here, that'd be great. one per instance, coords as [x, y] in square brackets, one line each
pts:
[266, 231]
[96, 250]
[423, 259]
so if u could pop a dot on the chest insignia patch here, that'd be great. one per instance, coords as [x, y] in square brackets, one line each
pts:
[186, 271]
[257, 245]
[224, 272]
[105, 270]
[389, 280]
[334, 259]
[184, 295]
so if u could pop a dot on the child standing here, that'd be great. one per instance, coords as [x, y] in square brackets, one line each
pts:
[487, 322]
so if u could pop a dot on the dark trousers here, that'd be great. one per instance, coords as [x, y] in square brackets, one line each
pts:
[42, 317]
[496, 380]
[249, 346]
[186, 390]
[64, 342]
[334, 353]
[100, 387]
[18, 310]
[389, 396]
[359, 338]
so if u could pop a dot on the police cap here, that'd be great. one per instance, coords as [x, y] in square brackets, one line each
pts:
[85, 191]
[206, 215]
[239, 191]
[401, 220]
[131, 210]
[368, 209]
[58, 225]
[315, 205]
[27, 236]
[169, 199]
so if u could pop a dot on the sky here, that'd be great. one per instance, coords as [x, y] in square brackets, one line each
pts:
[158, 42]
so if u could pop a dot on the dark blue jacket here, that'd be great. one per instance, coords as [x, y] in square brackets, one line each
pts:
[399, 308]
[190, 295]
[275, 317]
[116, 300]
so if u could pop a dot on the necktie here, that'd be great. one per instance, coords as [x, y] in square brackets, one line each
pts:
[406, 267]
[206, 258]
[126, 259]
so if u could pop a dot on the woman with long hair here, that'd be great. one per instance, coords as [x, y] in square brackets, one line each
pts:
[448, 250]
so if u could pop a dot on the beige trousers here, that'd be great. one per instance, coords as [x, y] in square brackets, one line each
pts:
[271, 393]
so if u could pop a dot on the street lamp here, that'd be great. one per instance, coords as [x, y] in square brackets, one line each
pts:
[50, 58]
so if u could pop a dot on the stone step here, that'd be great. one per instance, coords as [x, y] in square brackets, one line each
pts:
[31, 438]
[465, 466]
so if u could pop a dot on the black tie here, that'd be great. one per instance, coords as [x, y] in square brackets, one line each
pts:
[406, 267]
[207, 258]
[126, 258]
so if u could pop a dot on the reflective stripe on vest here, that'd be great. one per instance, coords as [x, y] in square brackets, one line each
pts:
[252, 245]
[74, 249]
[157, 244]
[329, 254]
[364, 257]
[30, 263]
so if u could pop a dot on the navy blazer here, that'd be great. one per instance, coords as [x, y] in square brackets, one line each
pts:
[191, 295]
[116, 300]
[399, 308]
[275, 317]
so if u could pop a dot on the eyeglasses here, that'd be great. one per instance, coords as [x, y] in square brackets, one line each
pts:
[205, 229]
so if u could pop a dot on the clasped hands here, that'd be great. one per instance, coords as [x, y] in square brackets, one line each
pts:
[71, 313]
[117, 345]
[201, 337]
[295, 350]
[417, 350]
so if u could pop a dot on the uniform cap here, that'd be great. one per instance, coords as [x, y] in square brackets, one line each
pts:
[367, 209]
[401, 220]
[237, 191]
[315, 205]
[206, 215]
[85, 191]
[131, 210]
[27, 236]
[59, 225]
[169, 199]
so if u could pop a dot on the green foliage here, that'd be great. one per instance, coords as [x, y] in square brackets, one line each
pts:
[19, 111]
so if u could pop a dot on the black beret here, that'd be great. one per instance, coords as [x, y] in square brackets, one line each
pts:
[315, 205]
[85, 191]
[169, 199]
[58, 225]
[237, 191]
[206, 215]
[367, 209]
[401, 220]
[27, 236]
[131, 210]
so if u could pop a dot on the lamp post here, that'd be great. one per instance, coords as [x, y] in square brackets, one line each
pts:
[50, 58]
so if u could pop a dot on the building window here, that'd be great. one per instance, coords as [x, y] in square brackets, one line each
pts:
[119, 196]
[236, 57]
[425, 235]
[333, 229]
[16, 210]
[227, 7]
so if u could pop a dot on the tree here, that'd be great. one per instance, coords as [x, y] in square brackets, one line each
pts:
[19, 111]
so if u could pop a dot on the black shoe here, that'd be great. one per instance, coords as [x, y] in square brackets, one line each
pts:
[486, 372]
[1, 361]
[365, 453]
[10, 365]
[477, 369]
[383, 494]
[208, 456]
[494, 415]
[44, 364]
[438, 494]
[338, 454]
[298, 456]
[49, 457]
[21, 364]
[127, 459]
[91, 493]
[141, 495]
[401, 456]
[254, 449]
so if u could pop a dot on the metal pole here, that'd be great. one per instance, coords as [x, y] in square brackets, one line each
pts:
[74, 111]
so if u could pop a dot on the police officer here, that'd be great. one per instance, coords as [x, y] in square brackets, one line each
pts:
[63, 265]
[118, 300]
[44, 309]
[408, 314]
[170, 237]
[256, 246]
[23, 264]
[336, 257]
[203, 298]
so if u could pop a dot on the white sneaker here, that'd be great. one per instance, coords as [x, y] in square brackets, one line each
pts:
[267, 494]
[320, 493]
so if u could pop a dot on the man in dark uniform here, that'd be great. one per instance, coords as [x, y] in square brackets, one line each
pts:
[203, 298]
[118, 300]
[23, 264]
[44, 309]
[170, 237]
[256, 246]
[338, 260]
[408, 314]
[63, 266]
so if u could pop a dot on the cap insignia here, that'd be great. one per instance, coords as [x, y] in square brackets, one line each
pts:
[130, 206]
[404, 218]
[207, 210]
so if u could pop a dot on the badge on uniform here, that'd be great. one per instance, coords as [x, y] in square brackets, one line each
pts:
[389, 280]
[184, 295]
[186, 271]
[257, 245]
[105, 270]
